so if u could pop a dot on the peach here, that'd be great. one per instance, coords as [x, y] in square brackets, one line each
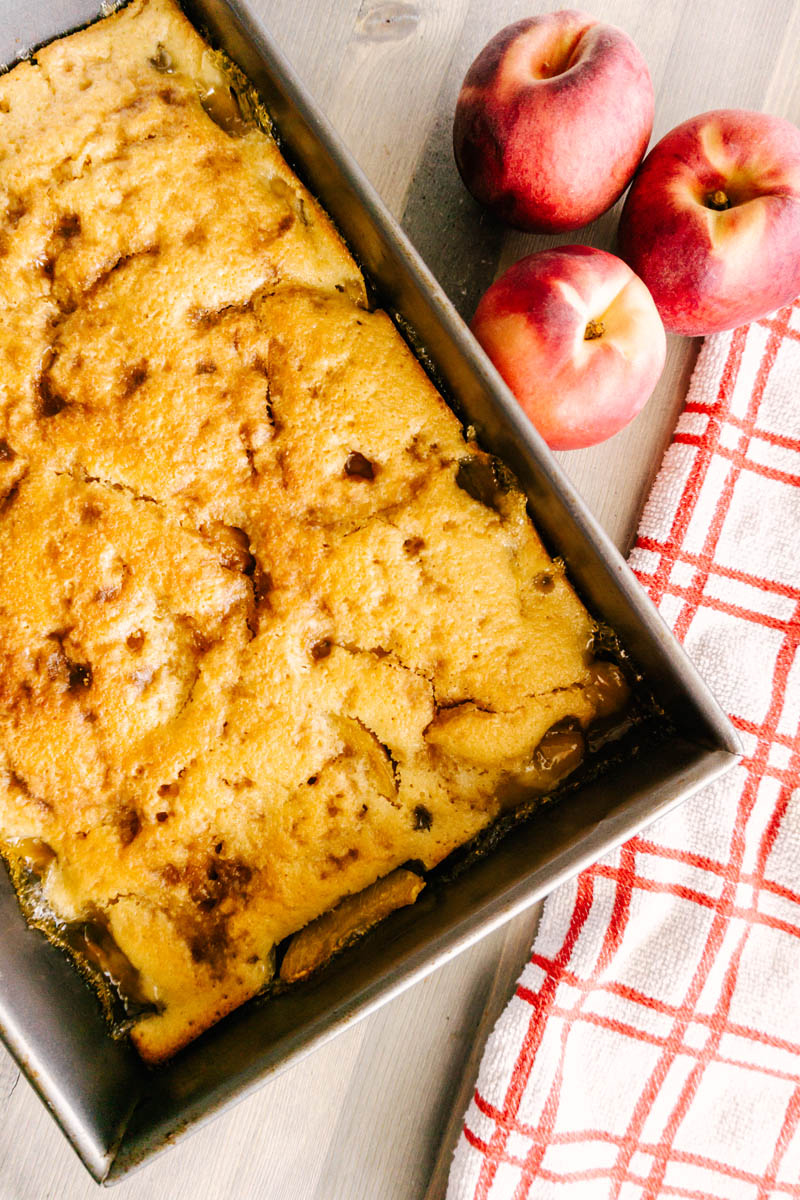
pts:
[712, 220]
[577, 338]
[552, 120]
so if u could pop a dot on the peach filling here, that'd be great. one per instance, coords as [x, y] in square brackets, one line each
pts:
[222, 106]
[314, 945]
[89, 939]
[559, 752]
[563, 747]
[33, 854]
[608, 689]
[94, 945]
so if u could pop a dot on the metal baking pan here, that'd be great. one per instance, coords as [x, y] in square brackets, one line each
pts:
[115, 1112]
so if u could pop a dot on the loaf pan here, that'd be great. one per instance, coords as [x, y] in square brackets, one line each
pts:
[114, 1111]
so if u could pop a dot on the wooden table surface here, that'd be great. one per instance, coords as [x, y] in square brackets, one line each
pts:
[373, 1115]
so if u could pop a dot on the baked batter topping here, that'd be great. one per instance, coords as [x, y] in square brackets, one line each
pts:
[270, 627]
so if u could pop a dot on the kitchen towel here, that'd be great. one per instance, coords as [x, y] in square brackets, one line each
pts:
[652, 1045]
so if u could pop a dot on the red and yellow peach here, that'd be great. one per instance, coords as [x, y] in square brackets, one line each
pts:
[552, 119]
[712, 220]
[578, 339]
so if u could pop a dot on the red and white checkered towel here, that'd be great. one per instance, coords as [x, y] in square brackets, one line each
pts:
[652, 1046]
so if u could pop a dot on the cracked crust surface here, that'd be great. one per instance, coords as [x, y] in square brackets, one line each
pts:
[269, 627]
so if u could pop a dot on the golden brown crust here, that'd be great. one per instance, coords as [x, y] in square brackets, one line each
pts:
[269, 627]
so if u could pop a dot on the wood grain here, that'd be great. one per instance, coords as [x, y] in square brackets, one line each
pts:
[373, 1115]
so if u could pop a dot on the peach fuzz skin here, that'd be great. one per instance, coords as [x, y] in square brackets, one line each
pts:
[712, 268]
[552, 119]
[577, 338]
